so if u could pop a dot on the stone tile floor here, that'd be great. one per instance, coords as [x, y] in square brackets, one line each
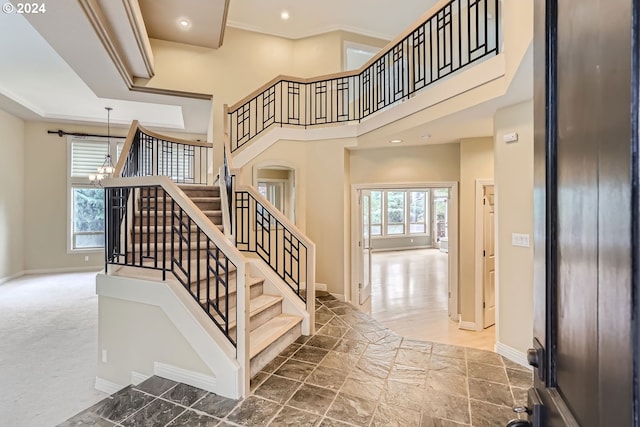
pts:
[352, 372]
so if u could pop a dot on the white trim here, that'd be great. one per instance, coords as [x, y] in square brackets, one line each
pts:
[512, 354]
[339, 297]
[289, 196]
[467, 326]
[402, 248]
[321, 287]
[453, 221]
[95, 268]
[479, 242]
[137, 377]
[107, 386]
[195, 379]
[4, 280]
[485, 72]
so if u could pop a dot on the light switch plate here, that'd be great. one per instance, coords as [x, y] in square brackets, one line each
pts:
[521, 240]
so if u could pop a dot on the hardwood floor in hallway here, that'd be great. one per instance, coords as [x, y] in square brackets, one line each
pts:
[409, 294]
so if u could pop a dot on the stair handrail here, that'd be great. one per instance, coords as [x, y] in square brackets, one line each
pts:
[225, 181]
[138, 160]
[203, 223]
[379, 83]
[280, 221]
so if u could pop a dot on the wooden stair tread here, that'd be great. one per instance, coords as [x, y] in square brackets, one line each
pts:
[256, 305]
[264, 335]
[167, 228]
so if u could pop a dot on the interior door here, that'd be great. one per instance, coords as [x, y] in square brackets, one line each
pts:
[586, 211]
[489, 258]
[364, 287]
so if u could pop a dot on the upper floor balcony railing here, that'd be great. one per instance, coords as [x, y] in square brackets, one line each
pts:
[147, 153]
[458, 34]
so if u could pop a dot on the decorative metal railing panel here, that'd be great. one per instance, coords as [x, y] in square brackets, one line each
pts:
[258, 230]
[147, 228]
[184, 162]
[459, 34]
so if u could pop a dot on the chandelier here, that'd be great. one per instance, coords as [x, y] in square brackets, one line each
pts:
[107, 168]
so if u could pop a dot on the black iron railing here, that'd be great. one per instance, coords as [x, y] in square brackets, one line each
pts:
[228, 186]
[147, 228]
[460, 33]
[259, 229]
[149, 154]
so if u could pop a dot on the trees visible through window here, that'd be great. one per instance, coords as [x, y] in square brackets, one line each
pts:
[376, 213]
[396, 219]
[86, 207]
[400, 212]
[418, 211]
[88, 217]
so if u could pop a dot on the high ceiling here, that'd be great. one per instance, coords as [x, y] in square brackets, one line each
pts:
[89, 52]
[67, 64]
[377, 18]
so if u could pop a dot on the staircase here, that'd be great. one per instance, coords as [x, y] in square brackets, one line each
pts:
[271, 330]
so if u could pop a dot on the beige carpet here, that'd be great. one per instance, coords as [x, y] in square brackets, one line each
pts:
[48, 348]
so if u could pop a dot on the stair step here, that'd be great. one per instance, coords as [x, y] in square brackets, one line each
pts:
[200, 190]
[268, 333]
[250, 281]
[203, 202]
[256, 306]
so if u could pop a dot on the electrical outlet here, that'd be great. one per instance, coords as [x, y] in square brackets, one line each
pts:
[86, 257]
[104, 356]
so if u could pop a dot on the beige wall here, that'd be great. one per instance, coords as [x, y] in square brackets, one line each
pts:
[514, 207]
[326, 211]
[476, 162]
[46, 213]
[321, 171]
[244, 63]
[12, 196]
[291, 154]
[425, 163]
[136, 335]
[46, 200]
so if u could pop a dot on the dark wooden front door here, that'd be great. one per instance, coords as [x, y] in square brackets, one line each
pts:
[586, 214]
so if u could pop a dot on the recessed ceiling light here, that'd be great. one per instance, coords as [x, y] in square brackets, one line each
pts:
[426, 136]
[395, 141]
[184, 23]
[284, 15]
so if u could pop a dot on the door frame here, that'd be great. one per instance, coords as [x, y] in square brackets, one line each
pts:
[351, 290]
[479, 234]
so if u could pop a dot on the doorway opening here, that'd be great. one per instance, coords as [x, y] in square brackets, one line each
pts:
[405, 256]
[276, 183]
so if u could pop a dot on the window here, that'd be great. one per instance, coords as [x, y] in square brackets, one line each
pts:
[400, 212]
[86, 202]
[395, 212]
[273, 191]
[440, 206]
[376, 213]
[418, 213]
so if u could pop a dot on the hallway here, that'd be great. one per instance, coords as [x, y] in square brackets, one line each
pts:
[409, 296]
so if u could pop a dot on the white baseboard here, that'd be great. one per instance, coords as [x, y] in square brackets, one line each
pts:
[107, 386]
[195, 379]
[339, 297]
[137, 377]
[321, 287]
[13, 276]
[467, 326]
[512, 354]
[95, 268]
